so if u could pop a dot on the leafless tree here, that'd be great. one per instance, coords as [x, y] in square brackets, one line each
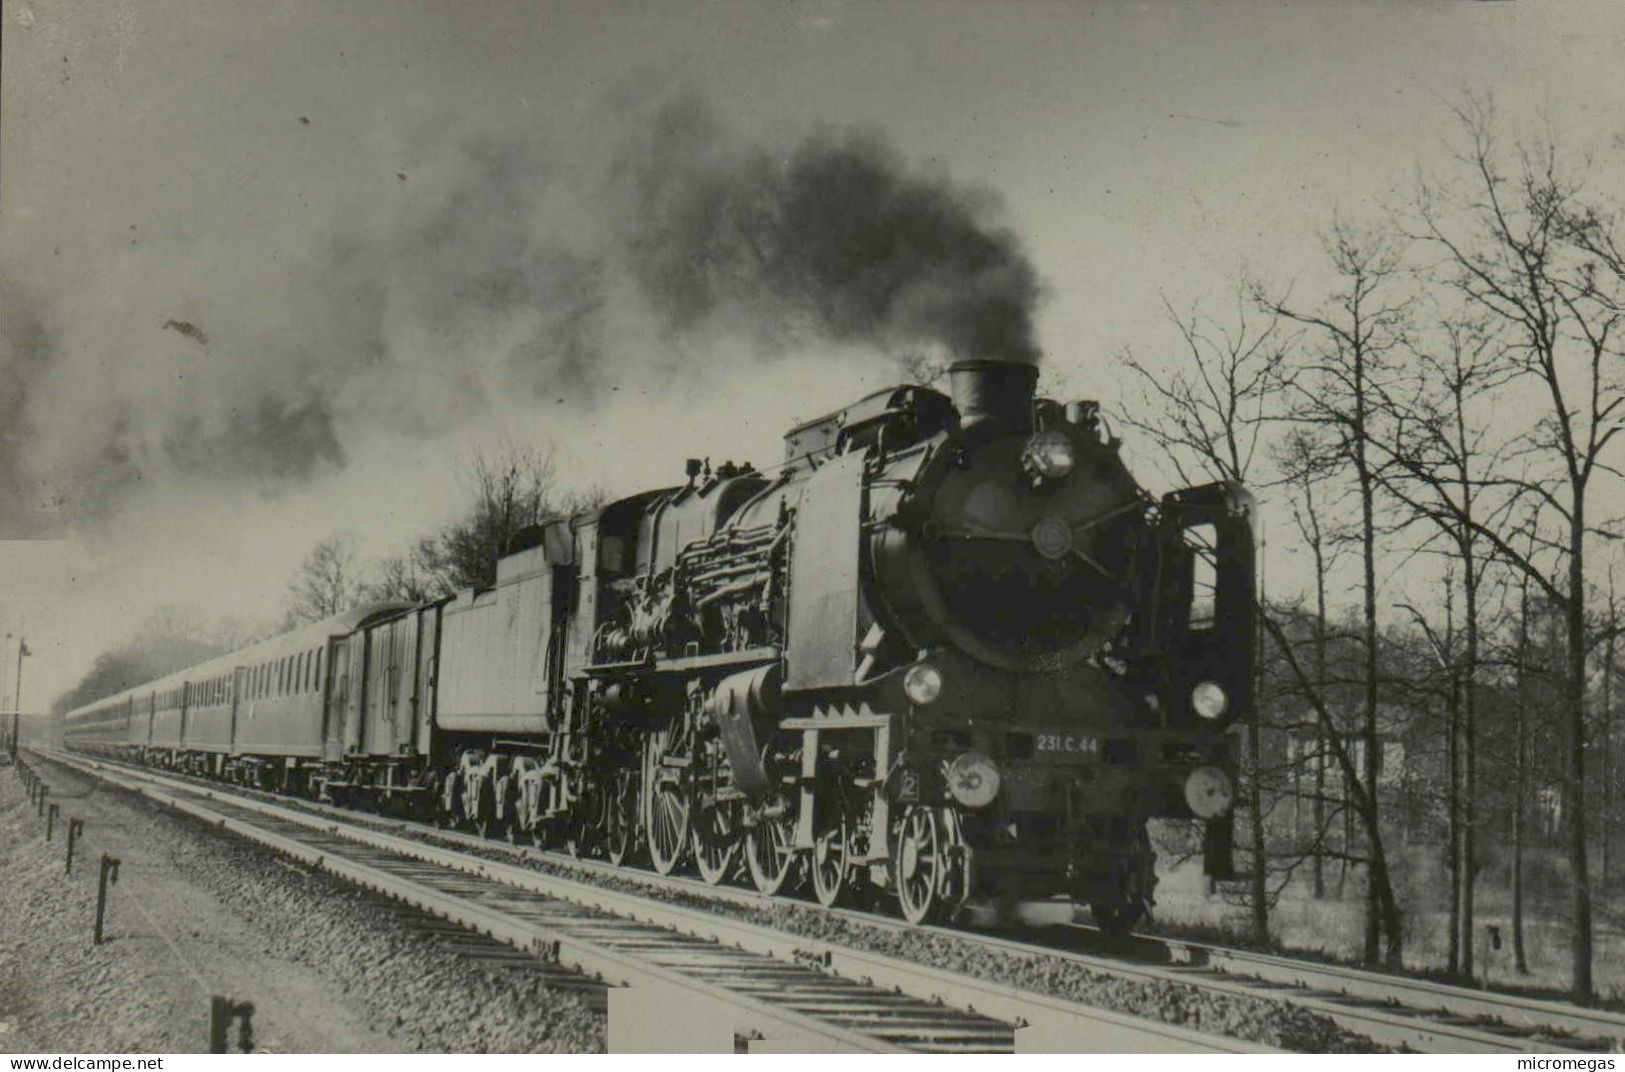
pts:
[513, 486]
[1441, 456]
[1522, 242]
[1305, 464]
[1352, 339]
[400, 577]
[328, 582]
[1209, 411]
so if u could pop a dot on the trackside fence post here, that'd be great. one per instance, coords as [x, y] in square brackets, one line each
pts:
[222, 1011]
[109, 873]
[76, 830]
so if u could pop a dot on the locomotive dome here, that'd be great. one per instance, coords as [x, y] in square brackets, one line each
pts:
[1016, 544]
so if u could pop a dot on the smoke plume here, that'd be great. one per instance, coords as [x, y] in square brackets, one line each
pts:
[834, 238]
[473, 271]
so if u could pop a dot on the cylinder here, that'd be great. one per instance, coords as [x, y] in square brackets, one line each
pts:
[994, 392]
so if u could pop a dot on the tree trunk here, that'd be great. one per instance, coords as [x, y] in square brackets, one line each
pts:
[1519, 779]
[1258, 894]
[1469, 768]
[1377, 877]
[1605, 819]
[1574, 782]
[1320, 732]
[1453, 815]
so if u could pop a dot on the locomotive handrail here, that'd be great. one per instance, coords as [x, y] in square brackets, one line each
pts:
[765, 653]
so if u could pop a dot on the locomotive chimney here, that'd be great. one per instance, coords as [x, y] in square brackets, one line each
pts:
[996, 393]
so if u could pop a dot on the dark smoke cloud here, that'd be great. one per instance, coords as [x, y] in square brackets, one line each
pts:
[477, 271]
[837, 238]
[27, 509]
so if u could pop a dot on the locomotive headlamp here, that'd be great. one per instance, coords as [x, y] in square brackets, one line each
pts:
[973, 780]
[1049, 454]
[1209, 792]
[923, 683]
[1209, 700]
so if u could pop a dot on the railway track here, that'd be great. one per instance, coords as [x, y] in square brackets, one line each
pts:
[1396, 1011]
[786, 990]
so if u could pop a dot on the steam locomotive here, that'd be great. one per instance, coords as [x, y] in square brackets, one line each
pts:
[947, 652]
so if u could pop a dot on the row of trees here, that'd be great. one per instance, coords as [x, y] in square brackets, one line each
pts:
[1437, 420]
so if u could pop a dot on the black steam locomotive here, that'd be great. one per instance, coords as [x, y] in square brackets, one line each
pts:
[947, 651]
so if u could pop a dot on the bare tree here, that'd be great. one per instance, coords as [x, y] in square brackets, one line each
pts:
[1522, 244]
[1353, 336]
[328, 582]
[400, 577]
[1208, 412]
[1305, 463]
[513, 486]
[1440, 461]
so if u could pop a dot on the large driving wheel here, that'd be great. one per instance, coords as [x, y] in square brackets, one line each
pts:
[716, 836]
[918, 865]
[622, 819]
[828, 863]
[769, 852]
[666, 822]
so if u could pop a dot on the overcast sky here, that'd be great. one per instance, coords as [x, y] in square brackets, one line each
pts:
[215, 212]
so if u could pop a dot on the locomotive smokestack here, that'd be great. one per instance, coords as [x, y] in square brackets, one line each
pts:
[994, 393]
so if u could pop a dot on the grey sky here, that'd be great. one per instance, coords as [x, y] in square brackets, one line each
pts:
[174, 160]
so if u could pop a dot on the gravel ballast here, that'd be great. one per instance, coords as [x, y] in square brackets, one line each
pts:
[329, 967]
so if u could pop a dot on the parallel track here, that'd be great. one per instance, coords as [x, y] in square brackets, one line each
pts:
[793, 991]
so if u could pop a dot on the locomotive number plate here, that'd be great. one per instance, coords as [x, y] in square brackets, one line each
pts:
[1069, 743]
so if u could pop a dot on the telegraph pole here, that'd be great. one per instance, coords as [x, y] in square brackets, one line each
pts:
[4, 688]
[17, 705]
